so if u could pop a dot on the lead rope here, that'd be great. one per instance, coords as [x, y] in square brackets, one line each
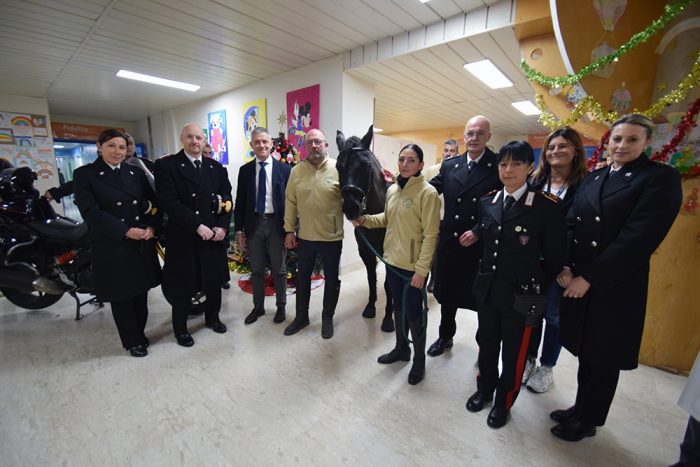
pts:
[404, 295]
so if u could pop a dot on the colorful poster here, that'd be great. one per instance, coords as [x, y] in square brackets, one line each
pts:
[254, 115]
[39, 125]
[302, 115]
[44, 165]
[24, 141]
[6, 136]
[24, 158]
[5, 120]
[218, 139]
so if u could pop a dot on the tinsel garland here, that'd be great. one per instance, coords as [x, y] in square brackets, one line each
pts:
[588, 105]
[688, 167]
[670, 11]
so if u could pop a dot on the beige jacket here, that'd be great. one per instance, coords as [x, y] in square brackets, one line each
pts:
[412, 221]
[313, 195]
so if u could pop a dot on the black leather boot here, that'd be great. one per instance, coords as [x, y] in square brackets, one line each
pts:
[418, 335]
[330, 300]
[300, 322]
[402, 351]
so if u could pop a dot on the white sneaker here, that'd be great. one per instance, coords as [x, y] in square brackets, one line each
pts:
[530, 367]
[541, 380]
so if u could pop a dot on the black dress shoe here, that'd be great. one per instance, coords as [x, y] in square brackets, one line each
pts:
[254, 315]
[562, 415]
[477, 401]
[299, 323]
[498, 417]
[185, 340]
[226, 286]
[327, 328]
[281, 315]
[439, 346]
[573, 430]
[138, 351]
[218, 327]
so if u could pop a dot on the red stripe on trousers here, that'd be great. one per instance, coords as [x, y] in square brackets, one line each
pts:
[519, 367]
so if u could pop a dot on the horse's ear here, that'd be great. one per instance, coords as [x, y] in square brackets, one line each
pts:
[367, 139]
[340, 140]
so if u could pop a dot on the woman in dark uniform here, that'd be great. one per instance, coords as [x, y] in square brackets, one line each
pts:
[620, 216]
[562, 169]
[524, 240]
[118, 204]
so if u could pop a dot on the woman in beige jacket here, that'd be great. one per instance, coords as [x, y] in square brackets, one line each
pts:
[412, 221]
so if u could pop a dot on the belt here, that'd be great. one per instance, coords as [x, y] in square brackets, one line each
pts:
[269, 215]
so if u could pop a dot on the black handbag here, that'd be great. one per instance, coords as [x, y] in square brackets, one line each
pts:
[531, 304]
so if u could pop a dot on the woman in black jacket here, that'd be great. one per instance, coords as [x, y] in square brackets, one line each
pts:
[118, 204]
[619, 217]
[561, 170]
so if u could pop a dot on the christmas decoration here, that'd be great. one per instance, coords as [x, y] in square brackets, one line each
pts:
[670, 11]
[283, 151]
[621, 99]
[691, 202]
[596, 112]
[600, 51]
[609, 11]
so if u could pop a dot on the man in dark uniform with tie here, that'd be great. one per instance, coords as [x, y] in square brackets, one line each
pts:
[259, 220]
[195, 193]
[462, 181]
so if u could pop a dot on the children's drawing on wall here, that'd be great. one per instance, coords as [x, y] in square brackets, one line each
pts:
[302, 115]
[217, 136]
[254, 115]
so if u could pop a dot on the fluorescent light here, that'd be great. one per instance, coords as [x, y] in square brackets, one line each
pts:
[488, 73]
[377, 130]
[58, 146]
[424, 1]
[526, 107]
[156, 80]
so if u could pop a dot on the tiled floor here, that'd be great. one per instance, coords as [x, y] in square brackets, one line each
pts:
[69, 395]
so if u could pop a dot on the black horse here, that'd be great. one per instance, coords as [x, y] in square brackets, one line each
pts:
[364, 192]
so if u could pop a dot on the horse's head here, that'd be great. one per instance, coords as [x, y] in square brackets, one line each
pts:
[356, 168]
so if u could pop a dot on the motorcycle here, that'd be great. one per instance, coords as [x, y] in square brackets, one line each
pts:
[42, 255]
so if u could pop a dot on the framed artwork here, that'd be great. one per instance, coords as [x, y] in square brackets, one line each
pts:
[302, 115]
[217, 137]
[254, 115]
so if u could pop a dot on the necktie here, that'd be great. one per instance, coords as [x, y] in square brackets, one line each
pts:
[198, 166]
[508, 202]
[262, 189]
[470, 166]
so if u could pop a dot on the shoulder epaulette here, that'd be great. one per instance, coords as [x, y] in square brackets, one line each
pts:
[490, 193]
[549, 196]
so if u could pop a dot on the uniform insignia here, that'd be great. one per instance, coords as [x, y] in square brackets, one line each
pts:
[101, 173]
[495, 198]
[628, 174]
[407, 203]
[596, 177]
[549, 196]
[182, 165]
[530, 198]
[523, 239]
[132, 173]
[488, 165]
[518, 228]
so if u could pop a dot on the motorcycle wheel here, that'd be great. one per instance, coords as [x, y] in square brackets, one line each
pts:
[30, 300]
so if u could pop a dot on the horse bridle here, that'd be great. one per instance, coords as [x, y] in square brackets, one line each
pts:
[357, 189]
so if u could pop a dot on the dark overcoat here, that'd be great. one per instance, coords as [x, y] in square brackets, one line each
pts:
[246, 196]
[188, 199]
[526, 245]
[111, 203]
[616, 224]
[455, 265]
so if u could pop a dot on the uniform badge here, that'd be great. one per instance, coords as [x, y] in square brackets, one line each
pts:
[101, 173]
[328, 181]
[628, 174]
[488, 165]
[524, 239]
[518, 228]
[407, 203]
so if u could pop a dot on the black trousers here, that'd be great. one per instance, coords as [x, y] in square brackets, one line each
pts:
[507, 327]
[448, 324]
[595, 393]
[306, 259]
[130, 316]
[181, 308]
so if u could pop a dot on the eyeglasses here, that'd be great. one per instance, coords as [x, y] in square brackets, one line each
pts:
[315, 142]
[473, 134]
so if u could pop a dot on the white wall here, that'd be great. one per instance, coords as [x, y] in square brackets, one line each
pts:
[346, 103]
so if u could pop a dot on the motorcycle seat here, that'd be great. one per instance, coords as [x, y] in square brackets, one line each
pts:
[61, 229]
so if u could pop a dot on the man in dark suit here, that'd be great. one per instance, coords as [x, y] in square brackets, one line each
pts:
[195, 193]
[259, 222]
[462, 180]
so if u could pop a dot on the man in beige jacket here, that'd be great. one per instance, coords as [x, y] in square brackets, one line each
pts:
[313, 198]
